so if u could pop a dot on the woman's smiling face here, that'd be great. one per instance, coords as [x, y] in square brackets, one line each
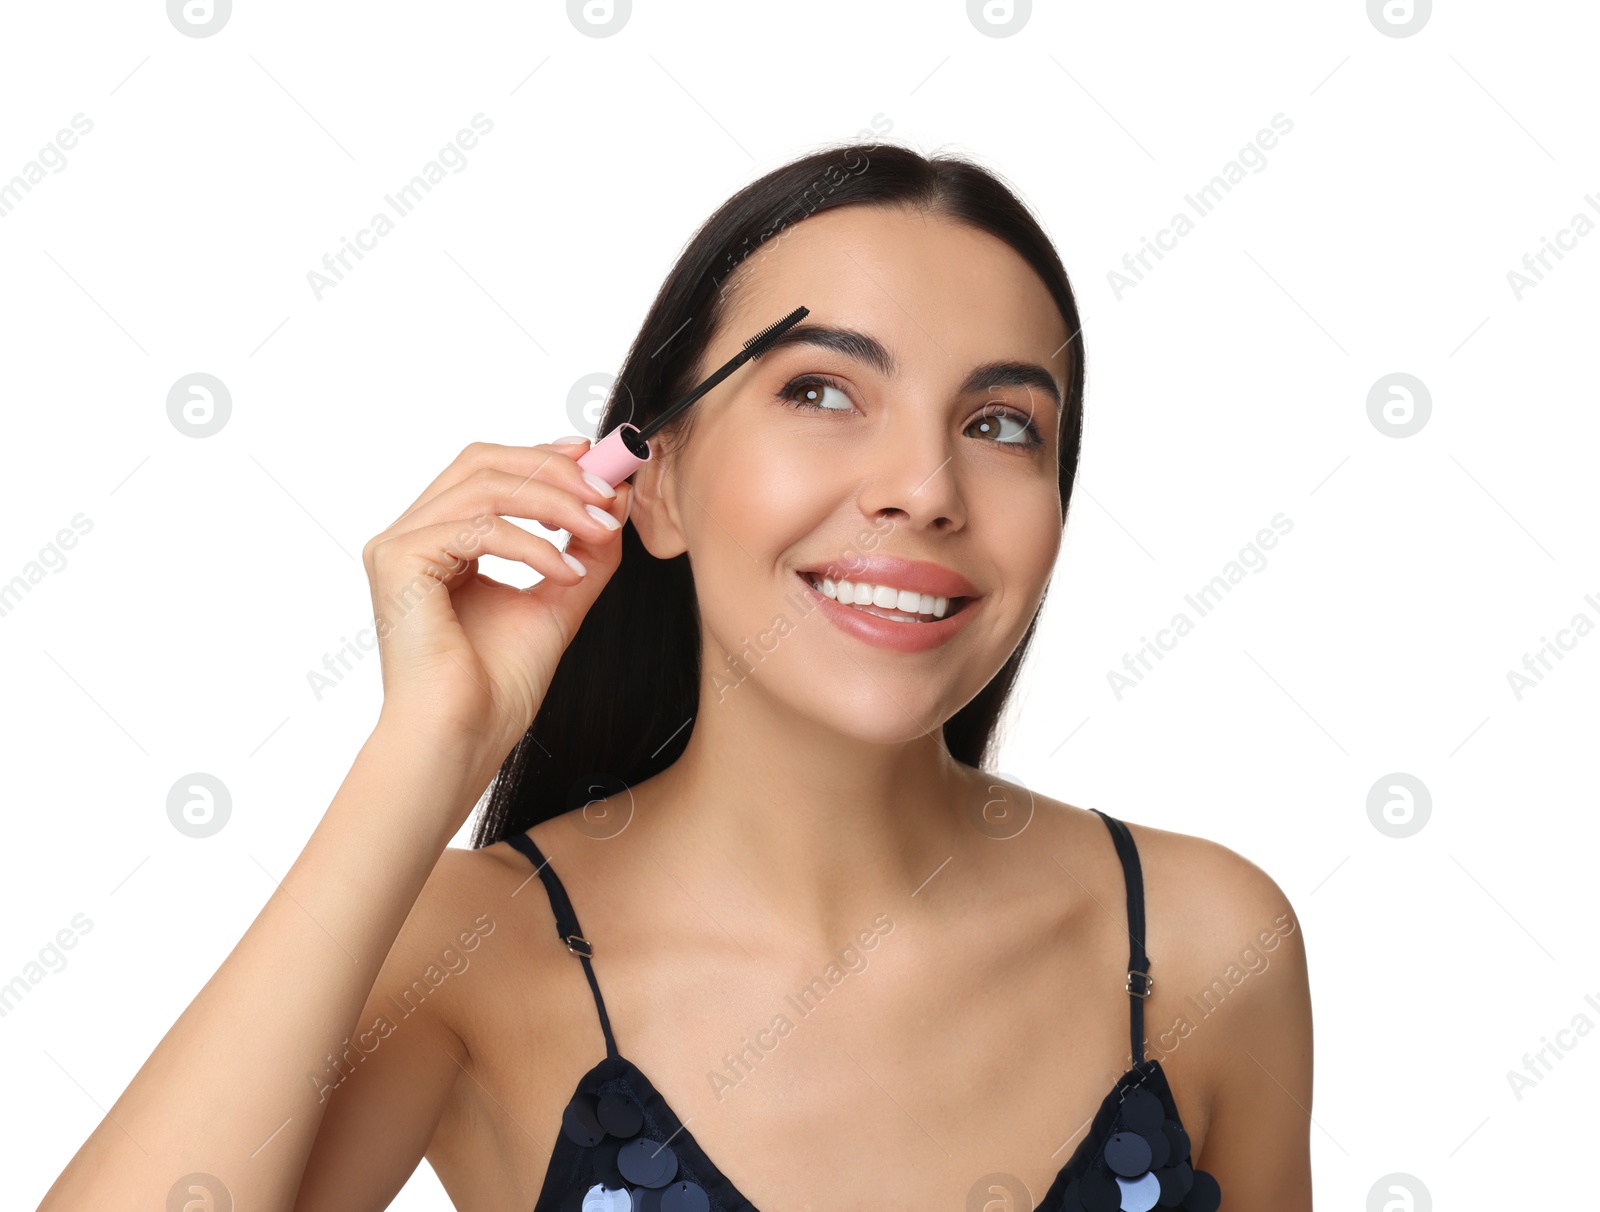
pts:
[890, 434]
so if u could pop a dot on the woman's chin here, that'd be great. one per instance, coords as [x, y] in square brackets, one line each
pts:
[876, 715]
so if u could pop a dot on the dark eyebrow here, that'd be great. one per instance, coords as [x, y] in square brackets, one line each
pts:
[863, 348]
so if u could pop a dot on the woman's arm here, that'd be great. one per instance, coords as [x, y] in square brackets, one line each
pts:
[229, 1090]
[388, 1099]
[466, 662]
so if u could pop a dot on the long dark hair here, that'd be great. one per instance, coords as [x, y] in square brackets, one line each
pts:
[643, 632]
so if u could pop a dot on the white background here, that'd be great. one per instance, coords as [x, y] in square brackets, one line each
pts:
[1229, 386]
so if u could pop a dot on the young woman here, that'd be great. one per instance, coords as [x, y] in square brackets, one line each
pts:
[825, 960]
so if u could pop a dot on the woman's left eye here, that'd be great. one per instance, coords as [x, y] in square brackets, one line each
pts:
[810, 391]
[990, 417]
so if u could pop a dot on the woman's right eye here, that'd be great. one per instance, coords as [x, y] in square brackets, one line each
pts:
[810, 392]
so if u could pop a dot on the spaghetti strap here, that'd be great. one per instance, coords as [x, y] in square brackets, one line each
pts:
[1139, 983]
[567, 928]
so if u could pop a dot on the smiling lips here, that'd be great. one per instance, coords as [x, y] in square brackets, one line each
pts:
[937, 617]
[885, 601]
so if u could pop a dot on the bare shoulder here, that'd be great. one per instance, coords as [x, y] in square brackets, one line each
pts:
[1215, 921]
[1224, 898]
[469, 917]
[492, 880]
[1231, 1011]
[525, 980]
[1212, 892]
[1216, 924]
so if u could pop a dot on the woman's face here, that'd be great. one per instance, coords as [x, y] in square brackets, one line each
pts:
[859, 460]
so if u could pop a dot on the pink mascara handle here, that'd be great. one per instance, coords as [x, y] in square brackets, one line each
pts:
[610, 458]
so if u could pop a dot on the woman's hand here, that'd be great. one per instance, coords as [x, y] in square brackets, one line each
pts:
[466, 658]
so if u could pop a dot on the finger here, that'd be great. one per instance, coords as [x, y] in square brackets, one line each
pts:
[522, 460]
[608, 549]
[574, 506]
[447, 551]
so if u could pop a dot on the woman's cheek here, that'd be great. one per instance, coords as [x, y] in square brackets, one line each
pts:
[777, 480]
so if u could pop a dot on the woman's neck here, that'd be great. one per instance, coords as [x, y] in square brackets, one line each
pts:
[815, 833]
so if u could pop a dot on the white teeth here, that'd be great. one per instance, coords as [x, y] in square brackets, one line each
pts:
[908, 602]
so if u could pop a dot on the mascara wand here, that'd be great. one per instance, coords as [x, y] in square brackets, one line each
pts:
[627, 447]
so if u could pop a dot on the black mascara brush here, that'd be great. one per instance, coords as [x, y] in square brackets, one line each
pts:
[627, 447]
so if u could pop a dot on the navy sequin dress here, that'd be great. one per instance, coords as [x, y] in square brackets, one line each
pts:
[623, 1149]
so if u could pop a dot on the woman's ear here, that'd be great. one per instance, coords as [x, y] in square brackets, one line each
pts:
[654, 508]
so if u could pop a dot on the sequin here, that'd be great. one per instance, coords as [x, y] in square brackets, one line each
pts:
[1204, 1196]
[1139, 1194]
[1128, 1154]
[1160, 1148]
[1142, 1111]
[1185, 1175]
[1143, 1162]
[600, 1198]
[1177, 1138]
[647, 1162]
[580, 1121]
[619, 1114]
[1172, 1187]
[1098, 1192]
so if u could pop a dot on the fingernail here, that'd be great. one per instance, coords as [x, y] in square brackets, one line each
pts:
[599, 485]
[573, 440]
[575, 564]
[604, 518]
